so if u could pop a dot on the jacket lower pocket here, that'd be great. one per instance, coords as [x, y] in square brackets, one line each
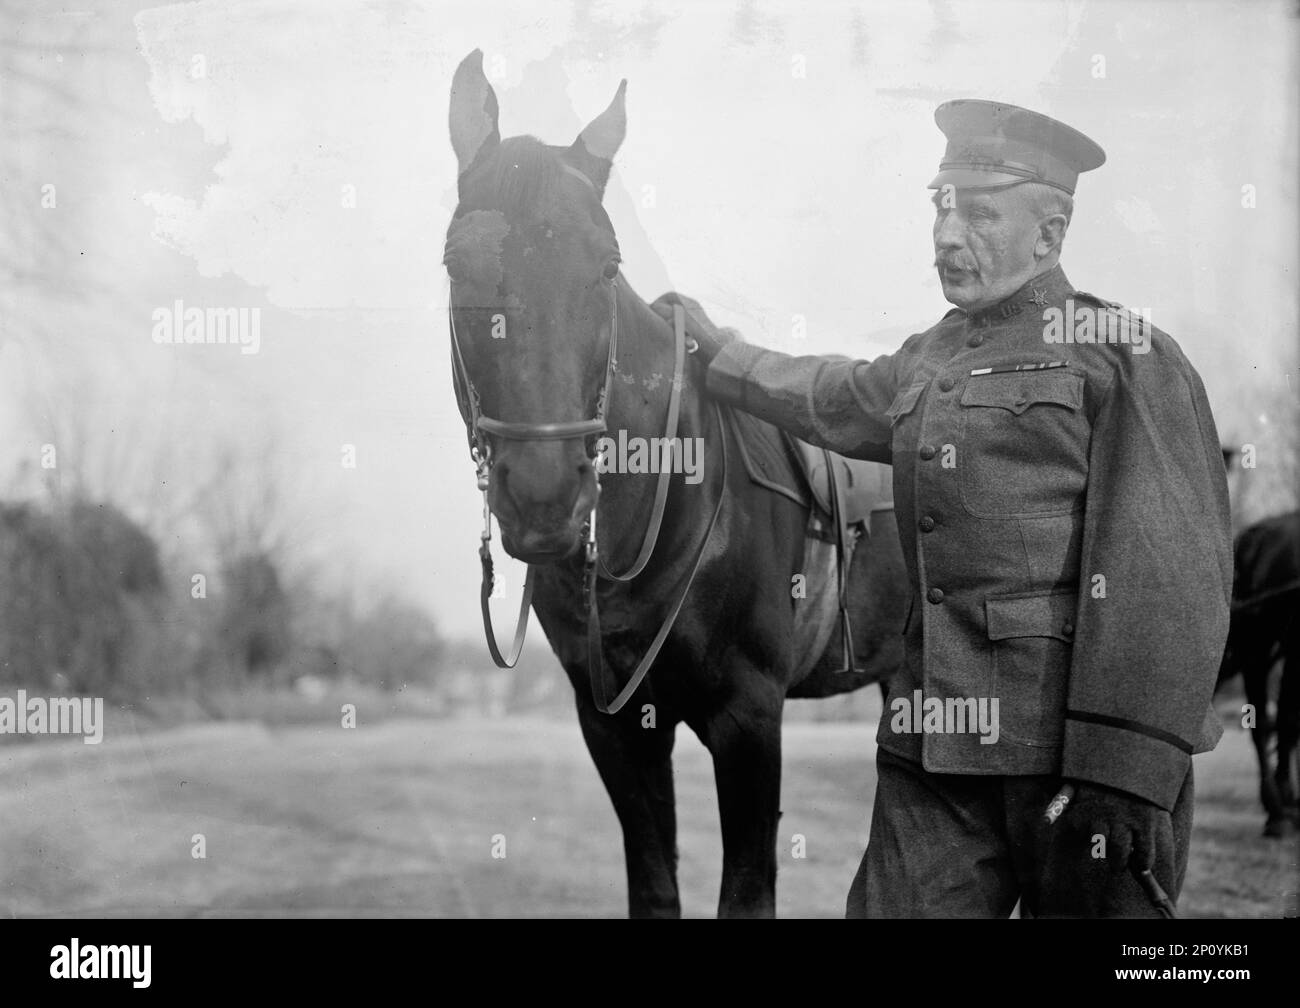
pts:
[1031, 644]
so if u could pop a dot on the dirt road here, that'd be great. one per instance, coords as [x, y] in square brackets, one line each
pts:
[401, 819]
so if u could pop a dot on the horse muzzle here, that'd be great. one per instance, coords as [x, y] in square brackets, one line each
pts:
[541, 510]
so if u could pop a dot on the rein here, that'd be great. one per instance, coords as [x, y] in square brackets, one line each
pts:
[480, 427]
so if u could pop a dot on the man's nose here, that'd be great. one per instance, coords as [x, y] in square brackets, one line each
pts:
[948, 232]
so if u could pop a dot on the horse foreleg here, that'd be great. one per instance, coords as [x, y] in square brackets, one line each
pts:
[745, 740]
[636, 765]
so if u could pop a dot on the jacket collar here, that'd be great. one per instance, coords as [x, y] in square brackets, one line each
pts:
[1050, 287]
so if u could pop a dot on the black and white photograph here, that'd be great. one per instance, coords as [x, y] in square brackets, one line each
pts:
[589, 459]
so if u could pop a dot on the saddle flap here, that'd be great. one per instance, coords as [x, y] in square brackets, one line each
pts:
[767, 456]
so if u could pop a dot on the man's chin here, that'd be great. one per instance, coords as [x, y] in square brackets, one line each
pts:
[962, 293]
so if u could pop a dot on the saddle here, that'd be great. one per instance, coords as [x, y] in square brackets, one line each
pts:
[840, 493]
[848, 488]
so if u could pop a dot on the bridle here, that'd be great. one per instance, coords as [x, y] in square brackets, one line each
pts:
[480, 427]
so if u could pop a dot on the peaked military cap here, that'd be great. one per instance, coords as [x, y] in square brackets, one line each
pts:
[993, 144]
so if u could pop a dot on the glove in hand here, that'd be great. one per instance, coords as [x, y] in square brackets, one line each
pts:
[1133, 827]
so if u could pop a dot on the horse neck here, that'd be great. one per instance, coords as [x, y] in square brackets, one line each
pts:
[642, 382]
[639, 394]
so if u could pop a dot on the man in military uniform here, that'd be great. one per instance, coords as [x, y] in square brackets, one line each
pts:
[1063, 513]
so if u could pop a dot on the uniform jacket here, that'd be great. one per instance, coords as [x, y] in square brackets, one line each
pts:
[1065, 529]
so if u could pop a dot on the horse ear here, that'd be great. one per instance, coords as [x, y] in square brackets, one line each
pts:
[473, 116]
[593, 152]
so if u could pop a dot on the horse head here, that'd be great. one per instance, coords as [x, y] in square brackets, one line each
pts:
[533, 262]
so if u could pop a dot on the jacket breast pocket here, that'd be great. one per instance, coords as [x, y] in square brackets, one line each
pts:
[1031, 643]
[1024, 447]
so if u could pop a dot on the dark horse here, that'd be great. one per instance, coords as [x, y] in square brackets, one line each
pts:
[535, 299]
[1265, 628]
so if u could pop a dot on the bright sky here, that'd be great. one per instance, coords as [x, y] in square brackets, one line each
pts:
[775, 166]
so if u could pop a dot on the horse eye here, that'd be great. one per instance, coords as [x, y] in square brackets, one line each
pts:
[611, 269]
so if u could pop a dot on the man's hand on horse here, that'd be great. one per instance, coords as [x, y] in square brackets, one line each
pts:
[707, 337]
[1134, 829]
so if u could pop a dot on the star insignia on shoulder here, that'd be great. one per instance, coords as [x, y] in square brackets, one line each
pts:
[1038, 298]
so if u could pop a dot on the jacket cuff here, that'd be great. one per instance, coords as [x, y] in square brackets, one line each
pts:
[1130, 760]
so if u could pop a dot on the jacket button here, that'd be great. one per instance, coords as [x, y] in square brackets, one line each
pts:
[927, 524]
[1068, 628]
[934, 595]
[946, 384]
[928, 452]
[976, 340]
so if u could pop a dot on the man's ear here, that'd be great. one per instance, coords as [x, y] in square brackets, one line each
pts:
[1051, 235]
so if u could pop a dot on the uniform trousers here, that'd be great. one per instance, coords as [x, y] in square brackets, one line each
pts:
[962, 845]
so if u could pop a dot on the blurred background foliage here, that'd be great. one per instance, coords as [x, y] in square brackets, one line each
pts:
[88, 607]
